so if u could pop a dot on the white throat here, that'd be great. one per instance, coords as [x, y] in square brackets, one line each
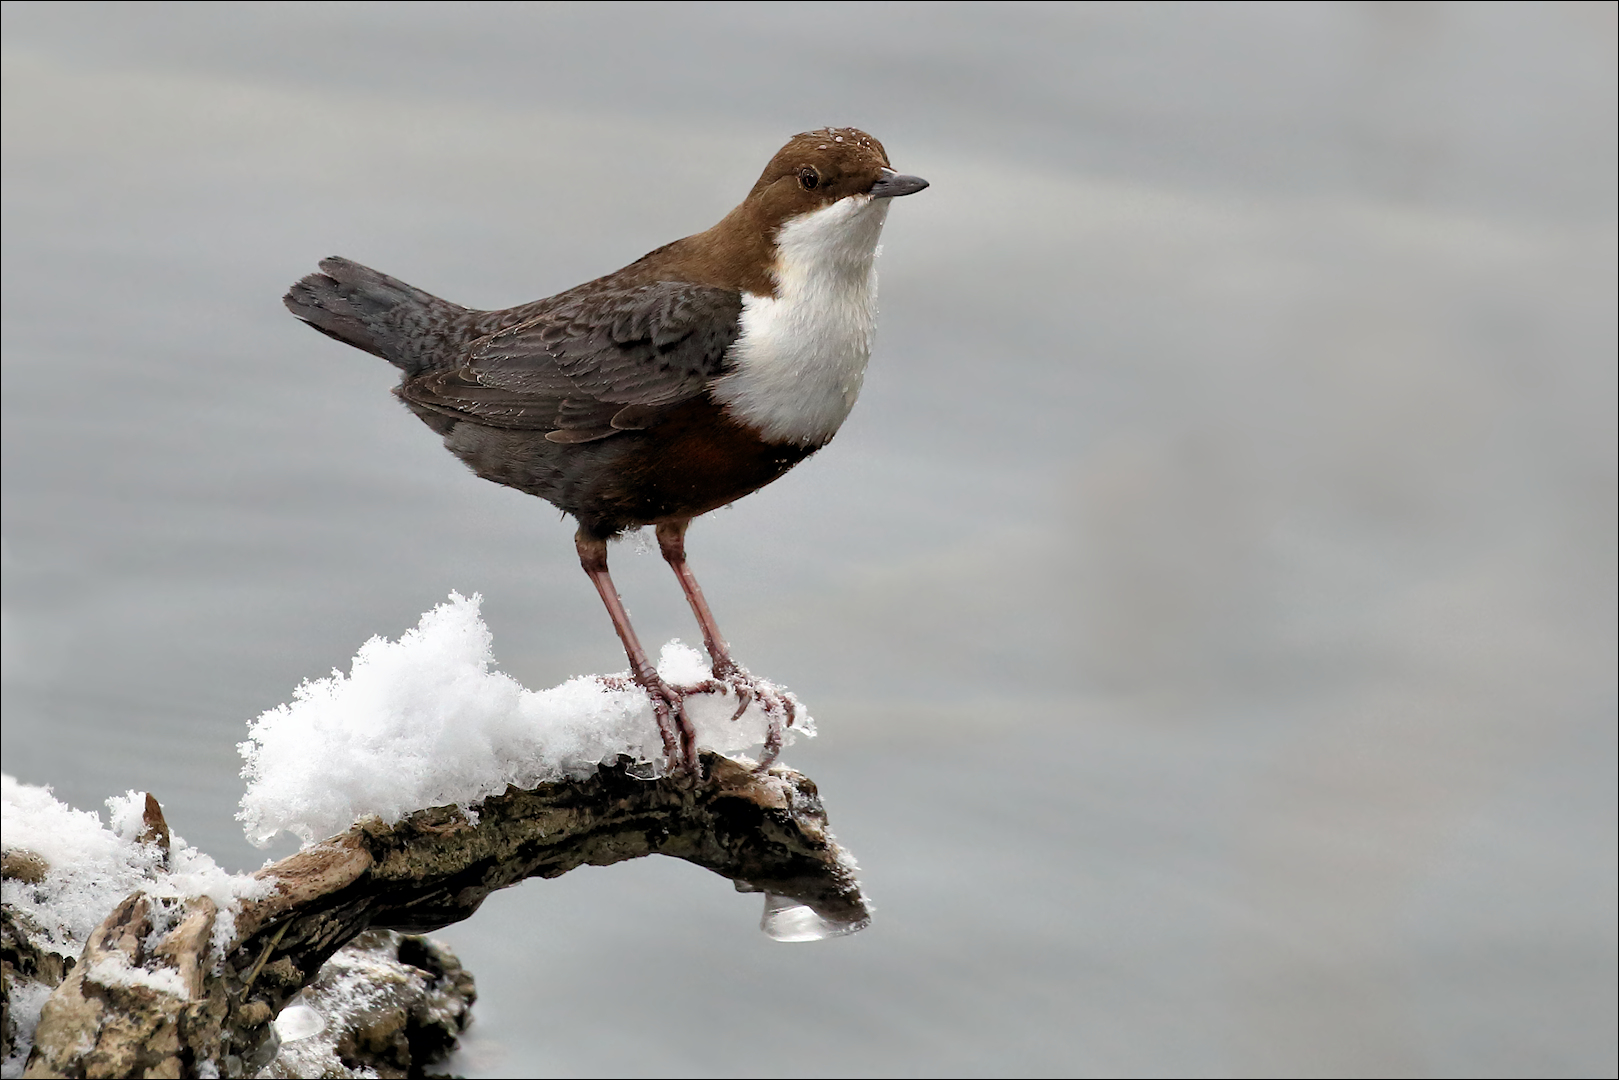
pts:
[801, 355]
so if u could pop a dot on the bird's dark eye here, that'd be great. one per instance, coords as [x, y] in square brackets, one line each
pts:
[808, 177]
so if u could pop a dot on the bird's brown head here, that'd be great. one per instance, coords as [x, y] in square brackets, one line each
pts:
[820, 167]
[814, 171]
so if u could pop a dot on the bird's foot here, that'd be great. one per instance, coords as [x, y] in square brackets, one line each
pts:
[780, 705]
[679, 736]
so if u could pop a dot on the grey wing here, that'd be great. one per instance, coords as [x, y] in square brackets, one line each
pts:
[597, 361]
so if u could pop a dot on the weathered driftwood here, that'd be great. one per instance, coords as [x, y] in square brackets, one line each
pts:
[145, 1004]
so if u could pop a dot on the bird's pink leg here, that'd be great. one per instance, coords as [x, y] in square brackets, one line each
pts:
[679, 737]
[727, 672]
[672, 542]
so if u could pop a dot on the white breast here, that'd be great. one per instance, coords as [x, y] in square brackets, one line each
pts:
[801, 355]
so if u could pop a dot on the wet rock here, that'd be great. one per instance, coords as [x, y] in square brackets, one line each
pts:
[387, 1005]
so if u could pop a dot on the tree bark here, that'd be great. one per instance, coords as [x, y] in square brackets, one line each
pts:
[164, 1004]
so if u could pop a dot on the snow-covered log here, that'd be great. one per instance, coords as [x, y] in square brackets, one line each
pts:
[157, 994]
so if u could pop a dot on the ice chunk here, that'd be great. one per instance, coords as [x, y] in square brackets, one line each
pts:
[299, 1021]
[786, 919]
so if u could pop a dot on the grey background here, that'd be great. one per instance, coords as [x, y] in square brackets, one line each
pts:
[1208, 609]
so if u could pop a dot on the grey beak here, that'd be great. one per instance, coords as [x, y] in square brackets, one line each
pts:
[894, 185]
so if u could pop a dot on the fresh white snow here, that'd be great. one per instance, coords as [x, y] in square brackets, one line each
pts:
[428, 721]
[91, 868]
[422, 721]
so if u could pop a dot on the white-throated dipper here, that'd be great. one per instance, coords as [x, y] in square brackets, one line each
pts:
[695, 375]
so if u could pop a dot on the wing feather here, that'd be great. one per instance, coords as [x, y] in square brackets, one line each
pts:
[595, 361]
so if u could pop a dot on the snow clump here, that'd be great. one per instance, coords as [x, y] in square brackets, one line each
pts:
[426, 721]
[84, 870]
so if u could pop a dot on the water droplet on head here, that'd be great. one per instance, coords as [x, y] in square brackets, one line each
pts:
[298, 1021]
[786, 919]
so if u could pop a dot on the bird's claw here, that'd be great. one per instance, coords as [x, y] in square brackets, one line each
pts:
[679, 736]
[780, 706]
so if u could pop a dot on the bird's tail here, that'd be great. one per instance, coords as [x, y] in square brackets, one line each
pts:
[411, 329]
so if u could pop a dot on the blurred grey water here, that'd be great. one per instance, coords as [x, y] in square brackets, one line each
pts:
[1208, 609]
